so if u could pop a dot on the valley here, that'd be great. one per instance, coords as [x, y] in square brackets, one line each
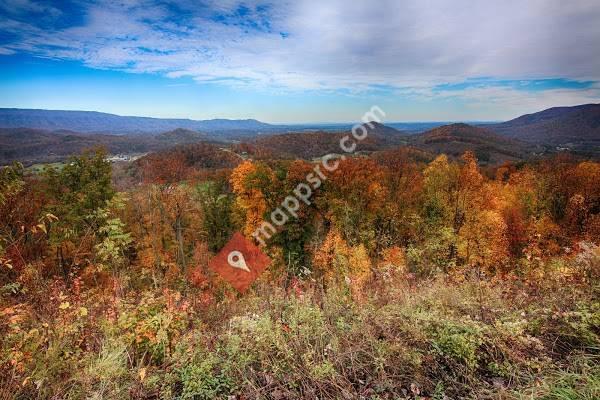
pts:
[571, 129]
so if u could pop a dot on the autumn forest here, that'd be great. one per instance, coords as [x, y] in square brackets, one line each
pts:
[409, 275]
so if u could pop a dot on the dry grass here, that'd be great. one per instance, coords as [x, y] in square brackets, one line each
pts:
[433, 339]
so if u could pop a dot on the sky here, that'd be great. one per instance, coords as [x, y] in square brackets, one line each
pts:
[301, 61]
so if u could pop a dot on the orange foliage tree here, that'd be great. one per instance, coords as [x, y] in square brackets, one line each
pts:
[249, 181]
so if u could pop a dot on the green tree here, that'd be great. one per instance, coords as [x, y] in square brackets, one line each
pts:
[216, 205]
[75, 193]
[81, 187]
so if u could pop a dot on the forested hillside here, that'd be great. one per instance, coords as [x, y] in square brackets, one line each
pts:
[407, 276]
[455, 139]
[557, 125]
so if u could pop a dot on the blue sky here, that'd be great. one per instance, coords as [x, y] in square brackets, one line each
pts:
[300, 61]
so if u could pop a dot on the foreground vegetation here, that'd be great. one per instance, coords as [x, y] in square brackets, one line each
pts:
[401, 280]
[435, 339]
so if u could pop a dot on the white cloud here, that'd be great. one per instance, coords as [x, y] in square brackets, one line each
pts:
[506, 103]
[329, 44]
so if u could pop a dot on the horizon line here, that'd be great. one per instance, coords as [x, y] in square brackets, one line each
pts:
[281, 123]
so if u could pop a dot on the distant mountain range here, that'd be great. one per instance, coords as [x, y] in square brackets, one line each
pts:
[554, 126]
[41, 136]
[97, 122]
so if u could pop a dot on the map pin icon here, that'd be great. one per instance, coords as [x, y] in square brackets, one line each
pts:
[236, 260]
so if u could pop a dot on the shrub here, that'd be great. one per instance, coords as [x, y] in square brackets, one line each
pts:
[200, 380]
[459, 342]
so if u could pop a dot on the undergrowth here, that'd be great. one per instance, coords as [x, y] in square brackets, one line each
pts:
[433, 339]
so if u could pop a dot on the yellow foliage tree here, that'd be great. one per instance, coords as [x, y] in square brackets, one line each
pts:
[359, 265]
[336, 262]
[331, 257]
[250, 200]
[482, 240]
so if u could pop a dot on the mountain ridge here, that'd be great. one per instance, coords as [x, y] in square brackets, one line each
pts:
[575, 128]
[100, 122]
[90, 122]
[455, 139]
[555, 125]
